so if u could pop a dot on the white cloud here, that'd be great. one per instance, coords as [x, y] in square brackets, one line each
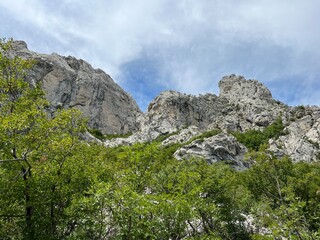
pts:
[192, 43]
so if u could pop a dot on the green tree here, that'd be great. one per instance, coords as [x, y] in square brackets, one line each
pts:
[35, 150]
[286, 199]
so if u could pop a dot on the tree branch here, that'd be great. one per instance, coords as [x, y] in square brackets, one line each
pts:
[12, 160]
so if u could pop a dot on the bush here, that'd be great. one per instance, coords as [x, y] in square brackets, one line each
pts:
[253, 139]
[97, 134]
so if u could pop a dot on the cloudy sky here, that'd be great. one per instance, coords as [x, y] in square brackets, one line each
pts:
[148, 46]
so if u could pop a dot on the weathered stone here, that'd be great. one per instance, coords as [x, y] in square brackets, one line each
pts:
[73, 83]
[172, 111]
[302, 143]
[239, 90]
[137, 137]
[252, 100]
[241, 105]
[221, 147]
[183, 136]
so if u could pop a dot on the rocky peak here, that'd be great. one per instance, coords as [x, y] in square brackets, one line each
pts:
[74, 83]
[242, 105]
[172, 111]
[238, 89]
[20, 45]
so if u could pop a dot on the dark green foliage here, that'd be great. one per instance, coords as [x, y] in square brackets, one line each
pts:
[286, 196]
[98, 134]
[254, 139]
[274, 130]
[111, 136]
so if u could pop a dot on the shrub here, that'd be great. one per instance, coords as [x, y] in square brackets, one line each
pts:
[253, 139]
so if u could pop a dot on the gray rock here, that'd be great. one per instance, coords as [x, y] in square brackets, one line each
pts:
[252, 100]
[239, 90]
[73, 83]
[302, 143]
[183, 136]
[242, 105]
[221, 147]
[137, 137]
[172, 111]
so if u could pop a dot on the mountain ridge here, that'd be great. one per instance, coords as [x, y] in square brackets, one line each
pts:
[242, 105]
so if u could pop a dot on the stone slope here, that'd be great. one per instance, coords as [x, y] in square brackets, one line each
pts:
[252, 100]
[73, 83]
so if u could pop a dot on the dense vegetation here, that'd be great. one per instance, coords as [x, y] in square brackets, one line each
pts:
[255, 139]
[55, 186]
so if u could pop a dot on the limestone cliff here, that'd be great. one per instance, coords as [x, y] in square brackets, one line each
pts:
[241, 105]
[73, 83]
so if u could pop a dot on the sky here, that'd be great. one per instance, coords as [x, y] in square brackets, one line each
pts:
[148, 46]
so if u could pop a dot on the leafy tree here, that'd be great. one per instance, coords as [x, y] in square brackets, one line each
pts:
[35, 150]
[286, 200]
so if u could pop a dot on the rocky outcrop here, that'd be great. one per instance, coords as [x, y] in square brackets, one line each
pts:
[221, 147]
[73, 83]
[242, 105]
[302, 141]
[239, 90]
[182, 136]
[171, 111]
[252, 100]
[137, 137]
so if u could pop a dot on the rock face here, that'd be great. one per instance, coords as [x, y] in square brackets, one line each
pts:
[221, 147]
[72, 83]
[242, 105]
[171, 111]
[302, 143]
[183, 136]
[252, 100]
[239, 90]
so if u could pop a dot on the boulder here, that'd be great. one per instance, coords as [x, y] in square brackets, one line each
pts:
[183, 136]
[219, 148]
